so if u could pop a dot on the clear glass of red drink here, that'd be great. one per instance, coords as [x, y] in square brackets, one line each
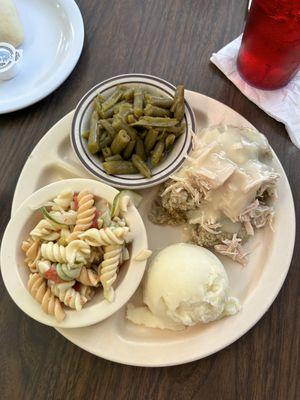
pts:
[269, 55]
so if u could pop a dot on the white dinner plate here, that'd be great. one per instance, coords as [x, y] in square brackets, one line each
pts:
[53, 40]
[256, 285]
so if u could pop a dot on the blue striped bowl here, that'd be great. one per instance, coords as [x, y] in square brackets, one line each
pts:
[93, 163]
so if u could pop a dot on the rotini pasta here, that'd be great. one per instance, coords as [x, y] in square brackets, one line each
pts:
[124, 255]
[69, 258]
[108, 269]
[64, 234]
[45, 230]
[43, 266]
[143, 255]
[58, 272]
[117, 221]
[53, 252]
[77, 251]
[88, 277]
[63, 200]
[124, 203]
[67, 295]
[38, 289]
[87, 291]
[31, 264]
[85, 214]
[32, 251]
[66, 272]
[105, 236]
[64, 217]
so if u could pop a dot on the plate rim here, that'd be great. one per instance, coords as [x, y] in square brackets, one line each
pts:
[74, 15]
[183, 360]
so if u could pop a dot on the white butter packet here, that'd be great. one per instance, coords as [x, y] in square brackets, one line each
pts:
[9, 61]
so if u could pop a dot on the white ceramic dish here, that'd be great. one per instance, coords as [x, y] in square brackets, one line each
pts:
[93, 164]
[256, 285]
[54, 34]
[15, 274]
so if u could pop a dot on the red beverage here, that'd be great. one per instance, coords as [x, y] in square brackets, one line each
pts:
[269, 56]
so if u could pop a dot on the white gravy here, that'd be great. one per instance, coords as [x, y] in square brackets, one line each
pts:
[234, 161]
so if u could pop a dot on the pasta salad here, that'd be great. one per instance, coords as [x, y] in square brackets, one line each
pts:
[78, 246]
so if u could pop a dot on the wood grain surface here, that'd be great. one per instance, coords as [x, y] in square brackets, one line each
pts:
[173, 39]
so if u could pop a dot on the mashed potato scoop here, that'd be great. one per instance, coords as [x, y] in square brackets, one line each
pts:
[185, 284]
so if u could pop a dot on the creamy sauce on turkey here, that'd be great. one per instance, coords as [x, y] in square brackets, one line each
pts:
[233, 163]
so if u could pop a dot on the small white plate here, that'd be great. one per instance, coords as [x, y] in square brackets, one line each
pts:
[54, 33]
[256, 285]
[15, 274]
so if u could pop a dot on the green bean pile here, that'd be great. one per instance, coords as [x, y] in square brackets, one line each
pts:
[133, 130]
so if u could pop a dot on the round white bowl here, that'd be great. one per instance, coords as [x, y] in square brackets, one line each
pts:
[15, 273]
[93, 163]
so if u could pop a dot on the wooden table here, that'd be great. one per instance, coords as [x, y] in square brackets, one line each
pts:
[173, 39]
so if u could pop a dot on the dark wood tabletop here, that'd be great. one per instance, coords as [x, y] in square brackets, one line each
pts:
[173, 39]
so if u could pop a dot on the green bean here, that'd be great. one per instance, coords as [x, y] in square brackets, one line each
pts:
[163, 102]
[177, 130]
[106, 114]
[128, 94]
[169, 140]
[156, 111]
[123, 114]
[120, 142]
[108, 127]
[179, 112]
[104, 140]
[119, 167]
[162, 135]
[93, 141]
[178, 103]
[119, 124]
[141, 166]
[98, 101]
[157, 153]
[138, 101]
[97, 105]
[121, 104]
[93, 144]
[115, 157]
[86, 135]
[129, 149]
[139, 148]
[150, 139]
[175, 99]
[116, 106]
[100, 98]
[106, 151]
[131, 119]
[125, 106]
[112, 99]
[156, 122]
[93, 120]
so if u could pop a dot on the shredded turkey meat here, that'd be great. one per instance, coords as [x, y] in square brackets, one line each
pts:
[224, 190]
[232, 248]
